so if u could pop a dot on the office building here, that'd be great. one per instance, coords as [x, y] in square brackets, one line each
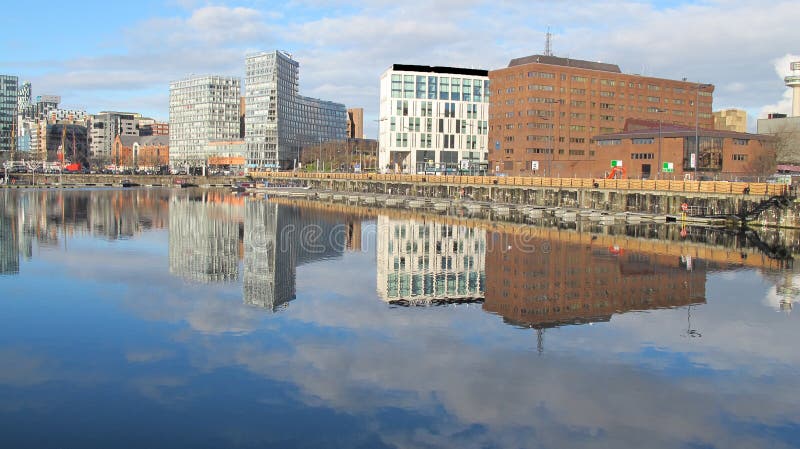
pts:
[201, 110]
[8, 115]
[279, 122]
[545, 111]
[640, 150]
[731, 120]
[433, 119]
[355, 123]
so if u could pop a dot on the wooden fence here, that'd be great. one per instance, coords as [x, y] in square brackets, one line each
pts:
[738, 188]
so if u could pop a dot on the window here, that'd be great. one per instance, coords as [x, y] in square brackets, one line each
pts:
[578, 91]
[605, 93]
[578, 103]
[578, 79]
[653, 99]
[509, 151]
[739, 157]
[576, 152]
[542, 87]
[639, 156]
[642, 140]
[577, 140]
[653, 87]
[607, 118]
[740, 142]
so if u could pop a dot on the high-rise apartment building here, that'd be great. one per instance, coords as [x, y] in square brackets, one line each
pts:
[355, 123]
[279, 122]
[8, 114]
[433, 119]
[201, 110]
[545, 111]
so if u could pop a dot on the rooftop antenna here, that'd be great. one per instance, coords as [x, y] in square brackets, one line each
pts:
[548, 43]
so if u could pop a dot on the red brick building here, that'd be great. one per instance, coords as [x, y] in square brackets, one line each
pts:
[545, 110]
[643, 151]
[144, 152]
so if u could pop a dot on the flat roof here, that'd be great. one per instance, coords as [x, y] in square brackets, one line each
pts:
[439, 69]
[565, 62]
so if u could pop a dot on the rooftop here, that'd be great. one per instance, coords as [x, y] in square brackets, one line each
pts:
[565, 62]
[437, 69]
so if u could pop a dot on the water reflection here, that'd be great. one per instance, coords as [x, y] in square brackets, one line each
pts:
[429, 262]
[540, 283]
[182, 344]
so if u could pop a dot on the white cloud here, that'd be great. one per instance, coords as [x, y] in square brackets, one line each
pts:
[344, 47]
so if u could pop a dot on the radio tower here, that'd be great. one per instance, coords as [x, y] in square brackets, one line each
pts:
[548, 41]
[793, 81]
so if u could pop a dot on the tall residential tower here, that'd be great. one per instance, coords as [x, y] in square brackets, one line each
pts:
[279, 122]
[202, 109]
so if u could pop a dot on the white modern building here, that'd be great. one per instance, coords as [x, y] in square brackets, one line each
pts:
[420, 263]
[202, 109]
[279, 122]
[433, 120]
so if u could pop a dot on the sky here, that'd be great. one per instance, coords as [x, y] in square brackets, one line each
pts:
[122, 56]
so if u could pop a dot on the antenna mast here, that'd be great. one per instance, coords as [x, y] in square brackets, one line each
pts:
[548, 43]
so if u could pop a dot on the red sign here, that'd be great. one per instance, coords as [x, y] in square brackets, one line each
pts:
[684, 207]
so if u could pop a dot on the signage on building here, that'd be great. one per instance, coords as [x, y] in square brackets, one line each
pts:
[668, 167]
[534, 165]
[496, 144]
[692, 160]
[616, 163]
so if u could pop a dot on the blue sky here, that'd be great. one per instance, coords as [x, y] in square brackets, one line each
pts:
[122, 56]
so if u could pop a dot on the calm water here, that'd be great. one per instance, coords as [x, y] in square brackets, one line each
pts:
[158, 318]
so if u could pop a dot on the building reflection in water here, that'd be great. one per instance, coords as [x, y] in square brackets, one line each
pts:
[278, 239]
[541, 283]
[425, 262]
[48, 218]
[204, 236]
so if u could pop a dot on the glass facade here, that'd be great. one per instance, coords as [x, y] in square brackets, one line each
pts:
[279, 122]
[201, 110]
[8, 113]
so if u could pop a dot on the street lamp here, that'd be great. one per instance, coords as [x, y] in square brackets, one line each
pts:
[697, 126]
